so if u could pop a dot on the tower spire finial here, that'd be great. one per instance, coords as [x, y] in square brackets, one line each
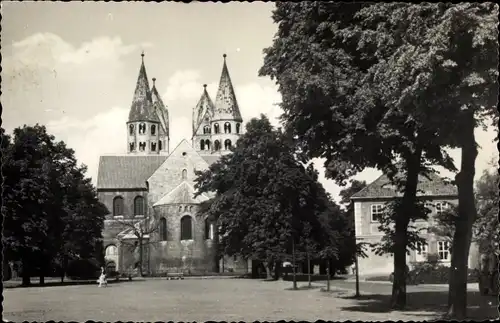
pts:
[154, 80]
[142, 55]
[224, 57]
[204, 86]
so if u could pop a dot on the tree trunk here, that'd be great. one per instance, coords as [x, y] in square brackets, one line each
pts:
[398, 299]
[26, 272]
[141, 246]
[294, 266]
[277, 270]
[457, 294]
[308, 270]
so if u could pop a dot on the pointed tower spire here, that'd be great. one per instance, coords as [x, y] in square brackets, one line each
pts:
[142, 105]
[159, 108]
[204, 109]
[226, 106]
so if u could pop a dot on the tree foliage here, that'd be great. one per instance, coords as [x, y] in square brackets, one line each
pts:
[267, 202]
[51, 211]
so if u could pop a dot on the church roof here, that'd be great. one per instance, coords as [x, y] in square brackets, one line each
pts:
[159, 108]
[210, 159]
[382, 188]
[226, 106]
[205, 107]
[142, 104]
[182, 194]
[127, 171]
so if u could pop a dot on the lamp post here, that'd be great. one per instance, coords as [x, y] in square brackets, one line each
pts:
[357, 269]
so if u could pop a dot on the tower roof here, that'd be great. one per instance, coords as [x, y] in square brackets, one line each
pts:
[142, 105]
[205, 106]
[159, 108]
[226, 106]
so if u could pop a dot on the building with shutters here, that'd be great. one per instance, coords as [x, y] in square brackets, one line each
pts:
[368, 206]
[151, 185]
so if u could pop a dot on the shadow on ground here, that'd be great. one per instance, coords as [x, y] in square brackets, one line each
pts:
[479, 307]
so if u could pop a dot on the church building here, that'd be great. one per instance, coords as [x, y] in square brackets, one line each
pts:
[149, 190]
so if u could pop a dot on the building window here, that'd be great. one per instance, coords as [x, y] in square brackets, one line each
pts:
[421, 252]
[118, 206]
[227, 144]
[111, 251]
[139, 206]
[159, 145]
[153, 130]
[153, 146]
[186, 228]
[216, 128]
[184, 174]
[142, 128]
[237, 128]
[216, 145]
[131, 146]
[206, 130]
[207, 144]
[444, 250]
[209, 230]
[377, 210]
[142, 146]
[441, 207]
[227, 127]
[163, 229]
[131, 129]
[202, 144]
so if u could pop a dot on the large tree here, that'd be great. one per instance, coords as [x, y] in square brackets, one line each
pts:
[328, 69]
[266, 202]
[50, 210]
[365, 85]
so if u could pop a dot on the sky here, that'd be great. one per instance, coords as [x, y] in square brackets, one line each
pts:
[73, 67]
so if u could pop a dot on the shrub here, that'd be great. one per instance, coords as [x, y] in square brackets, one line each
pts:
[437, 274]
[83, 269]
[113, 274]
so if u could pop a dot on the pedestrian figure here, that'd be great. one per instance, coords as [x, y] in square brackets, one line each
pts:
[102, 279]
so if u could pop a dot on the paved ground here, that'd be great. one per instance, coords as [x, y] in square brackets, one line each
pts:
[202, 300]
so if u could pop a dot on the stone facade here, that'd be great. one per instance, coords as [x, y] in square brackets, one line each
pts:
[175, 237]
[437, 195]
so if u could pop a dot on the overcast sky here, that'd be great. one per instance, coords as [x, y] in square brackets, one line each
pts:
[73, 67]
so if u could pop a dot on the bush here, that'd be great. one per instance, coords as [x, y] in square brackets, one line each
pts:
[83, 269]
[113, 274]
[436, 274]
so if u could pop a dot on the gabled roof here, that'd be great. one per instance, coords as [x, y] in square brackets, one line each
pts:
[127, 171]
[210, 159]
[159, 108]
[142, 103]
[182, 194]
[204, 108]
[382, 188]
[226, 106]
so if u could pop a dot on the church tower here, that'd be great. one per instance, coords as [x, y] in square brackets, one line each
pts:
[143, 126]
[226, 123]
[162, 113]
[202, 117]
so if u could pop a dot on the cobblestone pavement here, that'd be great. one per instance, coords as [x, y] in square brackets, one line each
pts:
[193, 300]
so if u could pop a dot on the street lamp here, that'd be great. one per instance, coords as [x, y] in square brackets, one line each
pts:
[357, 268]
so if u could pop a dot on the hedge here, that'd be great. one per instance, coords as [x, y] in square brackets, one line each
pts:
[304, 277]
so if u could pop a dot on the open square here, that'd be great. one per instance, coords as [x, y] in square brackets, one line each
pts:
[188, 300]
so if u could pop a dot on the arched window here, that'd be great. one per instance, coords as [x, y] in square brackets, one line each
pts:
[227, 127]
[184, 173]
[163, 229]
[131, 129]
[142, 146]
[153, 146]
[186, 228]
[227, 144]
[153, 130]
[202, 144]
[111, 251]
[159, 145]
[118, 206]
[206, 129]
[207, 144]
[216, 128]
[209, 229]
[132, 146]
[139, 206]
[142, 128]
[237, 128]
[216, 145]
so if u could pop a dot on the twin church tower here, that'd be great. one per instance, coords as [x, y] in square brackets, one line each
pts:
[216, 127]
